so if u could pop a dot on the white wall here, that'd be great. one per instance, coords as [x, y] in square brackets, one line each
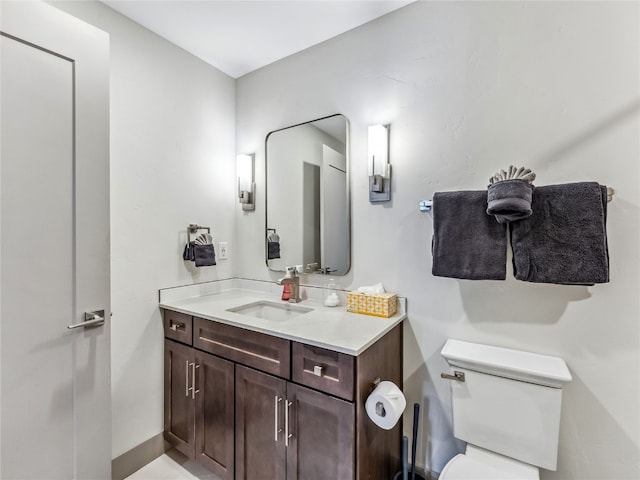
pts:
[172, 163]
[470, 88]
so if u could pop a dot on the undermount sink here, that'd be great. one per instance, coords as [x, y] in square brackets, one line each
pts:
[271, 310]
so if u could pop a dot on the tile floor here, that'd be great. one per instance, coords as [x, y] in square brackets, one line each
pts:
[175, 466]
[172, 466]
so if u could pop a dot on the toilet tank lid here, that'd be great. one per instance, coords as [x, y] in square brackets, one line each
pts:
[504, 362]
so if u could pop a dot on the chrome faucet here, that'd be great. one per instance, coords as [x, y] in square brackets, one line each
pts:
[294, 281]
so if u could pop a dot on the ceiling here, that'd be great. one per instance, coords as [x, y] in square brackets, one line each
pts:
[239, 36]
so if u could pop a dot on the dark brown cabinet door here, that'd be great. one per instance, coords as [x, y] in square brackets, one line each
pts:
[260, 442]
[215, 407]
[321, 446]
[179, 413]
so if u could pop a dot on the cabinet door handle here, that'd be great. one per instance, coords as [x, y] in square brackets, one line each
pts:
[193, 380]
[287, 435]
[186, 378]
[276, 429]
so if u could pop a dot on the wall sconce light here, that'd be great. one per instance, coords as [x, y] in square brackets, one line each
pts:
[379, 166]
[246, 181]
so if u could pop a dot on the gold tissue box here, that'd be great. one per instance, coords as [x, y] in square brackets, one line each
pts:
[379, 304]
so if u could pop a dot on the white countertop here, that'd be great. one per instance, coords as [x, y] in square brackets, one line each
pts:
[328, 327]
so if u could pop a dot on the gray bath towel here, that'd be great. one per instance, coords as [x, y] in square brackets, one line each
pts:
[509, 200]
[564, 241]
[467, 243]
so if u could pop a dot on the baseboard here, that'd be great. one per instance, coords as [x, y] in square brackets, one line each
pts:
[138, 457]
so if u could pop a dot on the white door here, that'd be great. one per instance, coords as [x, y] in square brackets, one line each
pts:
[334, 222]
[55, 414]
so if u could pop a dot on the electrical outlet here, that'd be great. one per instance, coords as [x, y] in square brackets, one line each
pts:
[223, 250]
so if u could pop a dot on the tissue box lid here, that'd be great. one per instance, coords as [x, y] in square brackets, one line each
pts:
[380, 304]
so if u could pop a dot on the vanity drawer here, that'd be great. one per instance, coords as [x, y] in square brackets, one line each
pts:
[263, 352]
[177, 326]
[324, 370]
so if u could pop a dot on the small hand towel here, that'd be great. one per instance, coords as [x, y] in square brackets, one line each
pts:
[467, 243]
[204, 255]
[273, 250]
[509, 200]
[189, 252]
[564, 241]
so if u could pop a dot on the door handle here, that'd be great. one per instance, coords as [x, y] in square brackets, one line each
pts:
[287, 435]
[276, 426]
[186, 378]
[91, 319]
[193, 382]
[191, 388]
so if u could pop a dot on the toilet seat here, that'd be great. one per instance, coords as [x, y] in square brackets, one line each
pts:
[480, 464]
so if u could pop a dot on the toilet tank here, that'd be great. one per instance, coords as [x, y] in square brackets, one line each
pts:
[509, 401]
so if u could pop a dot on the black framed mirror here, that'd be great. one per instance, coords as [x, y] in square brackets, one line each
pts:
[307, 197]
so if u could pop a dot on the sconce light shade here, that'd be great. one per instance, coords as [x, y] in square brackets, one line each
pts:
[379, 166]
[246, 181]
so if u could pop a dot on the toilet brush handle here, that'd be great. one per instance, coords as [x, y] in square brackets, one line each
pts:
[405, 452]
[414, 439]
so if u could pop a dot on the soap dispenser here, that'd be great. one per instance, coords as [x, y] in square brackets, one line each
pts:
[330, 294]
[286, 292]
[286, 287]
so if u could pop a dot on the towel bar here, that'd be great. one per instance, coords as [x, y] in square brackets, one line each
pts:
[610, 192]
[427, 205]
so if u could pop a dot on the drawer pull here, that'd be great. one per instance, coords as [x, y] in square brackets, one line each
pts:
[177, 326]
[241, 350]
[317, 370]
[326, 377]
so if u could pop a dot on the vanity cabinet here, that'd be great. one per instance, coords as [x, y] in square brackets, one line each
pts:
[252, 406]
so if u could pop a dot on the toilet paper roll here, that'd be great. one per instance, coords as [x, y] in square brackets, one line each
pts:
[385, 405]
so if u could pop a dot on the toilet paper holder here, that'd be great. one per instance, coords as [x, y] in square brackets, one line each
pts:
[385, 404]
[379, 406]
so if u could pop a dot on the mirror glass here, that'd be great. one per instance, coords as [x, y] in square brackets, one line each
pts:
[307, 192]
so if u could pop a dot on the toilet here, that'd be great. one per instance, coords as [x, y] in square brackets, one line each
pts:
[506, 406]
